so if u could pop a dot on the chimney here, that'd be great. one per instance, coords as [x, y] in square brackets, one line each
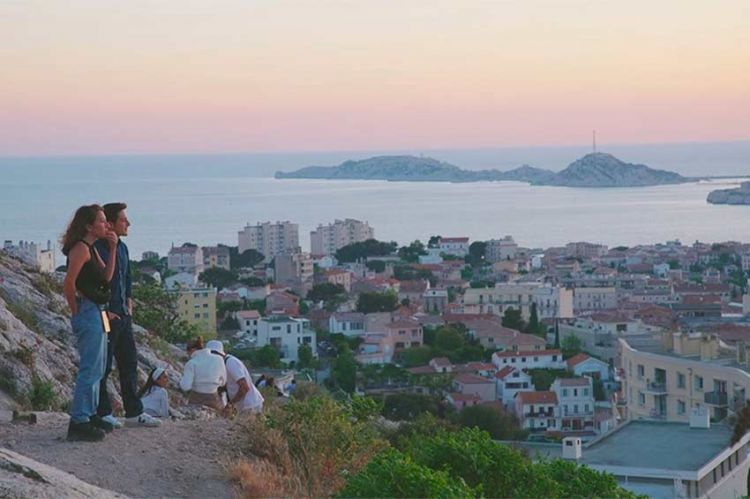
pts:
[571, 448]
[699, 418]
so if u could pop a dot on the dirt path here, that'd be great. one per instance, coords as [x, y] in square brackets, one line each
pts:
[180, 459]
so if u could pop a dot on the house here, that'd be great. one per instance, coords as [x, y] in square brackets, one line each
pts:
[186, 258]
[461, 401]
[536, 410]
[413, 290]
[585, 365]
[408, 333]
[435, 300]
[510, 381]
[482, 387]
[248, 321]
[575, 397]
[376, 348]
[197, 305]
[540, 359]
[594, 299]
[456, 246]
[286, 334]
[282, 303]
[338, 276]
[216, 257]
[347, 323]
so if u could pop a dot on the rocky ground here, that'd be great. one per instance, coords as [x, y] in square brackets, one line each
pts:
[181, 459]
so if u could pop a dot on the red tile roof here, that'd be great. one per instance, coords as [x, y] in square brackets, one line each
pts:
[574, 381]
[577, 359]
[537, 397]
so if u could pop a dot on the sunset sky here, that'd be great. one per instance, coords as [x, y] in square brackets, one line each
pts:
[137, 76]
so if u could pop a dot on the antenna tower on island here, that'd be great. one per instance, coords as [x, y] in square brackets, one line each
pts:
[594, 140]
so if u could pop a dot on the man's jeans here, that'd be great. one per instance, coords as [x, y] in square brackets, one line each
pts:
[121, 347]
[91, 344]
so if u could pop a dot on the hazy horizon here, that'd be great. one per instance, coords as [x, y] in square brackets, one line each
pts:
[106, 77]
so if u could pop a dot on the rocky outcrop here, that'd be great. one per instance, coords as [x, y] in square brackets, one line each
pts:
[21, 476]
[738, 196]
[592, 170]
[38, 358]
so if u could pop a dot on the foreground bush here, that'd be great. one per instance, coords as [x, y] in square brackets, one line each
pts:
[393, 474]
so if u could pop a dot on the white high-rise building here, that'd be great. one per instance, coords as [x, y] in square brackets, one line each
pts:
[270, 239]
[326, 239]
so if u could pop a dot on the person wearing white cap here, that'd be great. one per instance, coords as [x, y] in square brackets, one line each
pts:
[241, 392]
[154, 395]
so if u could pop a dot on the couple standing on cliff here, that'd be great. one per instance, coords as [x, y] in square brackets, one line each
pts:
[98, 290]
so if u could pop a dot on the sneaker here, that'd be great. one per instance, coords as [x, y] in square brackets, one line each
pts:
[84, 432]
[116, 423]
[144, 420]
[99, 422]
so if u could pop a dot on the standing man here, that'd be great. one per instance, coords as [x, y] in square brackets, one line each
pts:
[121, 344]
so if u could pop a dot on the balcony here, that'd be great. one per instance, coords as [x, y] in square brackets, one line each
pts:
[658, 415]
[657, 388]
[718, 399]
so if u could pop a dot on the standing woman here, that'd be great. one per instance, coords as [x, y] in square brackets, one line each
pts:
[87, 291]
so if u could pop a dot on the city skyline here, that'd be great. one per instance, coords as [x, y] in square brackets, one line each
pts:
[86, 78]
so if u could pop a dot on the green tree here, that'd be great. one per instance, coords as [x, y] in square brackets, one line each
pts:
[476, 256]
[361, 250]
[247, 259]
[433, 242]
[253, 282]
[344, 371]
[412, 252]
[513, 319]
[542, 378]
[407, 406]
[376, 266]
[571, 345]
[305, 355]
[218, 277]
[448, 339]
[416, 356]
[332, 295]
[534, 326]
[267, 356]
[377, 302]
[499, 424]
[156, 310]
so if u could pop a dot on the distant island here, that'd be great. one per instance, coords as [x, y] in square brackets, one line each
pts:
[592, 170]
[738, 196]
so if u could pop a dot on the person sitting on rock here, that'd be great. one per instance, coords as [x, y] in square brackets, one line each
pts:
[154, 395]
[203, 375]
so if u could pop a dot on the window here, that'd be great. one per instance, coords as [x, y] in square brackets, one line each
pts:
[554, 358]
[641, 398]
[565, 392]
[585, 408]
[699, 383]
[585, 392]
[197, 316]
[512, 360]
[722, 469]
[575, 392]
[641, 370]
[523, 359]
[680, 380]
[680, 407]
[205, 315]
[536, 359]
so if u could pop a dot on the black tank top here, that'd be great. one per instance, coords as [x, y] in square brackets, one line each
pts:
[91, 282]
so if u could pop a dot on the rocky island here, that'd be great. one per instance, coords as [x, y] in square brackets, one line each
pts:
[592, 170]
[738, 196]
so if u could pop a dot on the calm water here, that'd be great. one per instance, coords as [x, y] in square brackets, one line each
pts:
[207, 200]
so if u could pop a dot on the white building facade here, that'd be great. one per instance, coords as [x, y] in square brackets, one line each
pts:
[326, 239]
[270, 239]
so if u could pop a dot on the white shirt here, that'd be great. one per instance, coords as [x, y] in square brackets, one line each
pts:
[156, 402]
[204, 373]
[236, 370]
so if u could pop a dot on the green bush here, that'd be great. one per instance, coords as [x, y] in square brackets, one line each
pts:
[42, 396]
[498, 423]
[393, 474]
[407, 406]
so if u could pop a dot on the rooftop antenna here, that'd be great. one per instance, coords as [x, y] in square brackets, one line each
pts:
[594, 140]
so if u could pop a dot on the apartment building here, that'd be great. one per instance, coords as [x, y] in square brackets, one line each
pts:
[456, 246]
[665, 380]
[197, 306]
[326, 239]
[186, 258]
[294, 269]
[538, 359]
[286, 334]
[551, 301]
[270, 239]
[594, 299]
[216, 257]
[575, 403]
[498, 250]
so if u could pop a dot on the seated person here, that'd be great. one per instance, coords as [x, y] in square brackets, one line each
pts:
[241, 392]
[154, 396]
[203, 375]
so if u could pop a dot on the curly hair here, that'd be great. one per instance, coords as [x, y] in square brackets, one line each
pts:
[76, 231]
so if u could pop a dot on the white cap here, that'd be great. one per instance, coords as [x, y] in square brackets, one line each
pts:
[157, 372]
[215, 345]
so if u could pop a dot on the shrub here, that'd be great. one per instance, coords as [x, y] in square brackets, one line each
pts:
[498, 423]
[407, 406]
[25, 355]
[47, 285]
[574, 480]
[24, 313]
[393, 474]
[42, 396]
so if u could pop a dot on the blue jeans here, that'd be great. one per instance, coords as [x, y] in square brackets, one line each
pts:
[92, 350]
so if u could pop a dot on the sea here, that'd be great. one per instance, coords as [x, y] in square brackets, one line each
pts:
[207, 199]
